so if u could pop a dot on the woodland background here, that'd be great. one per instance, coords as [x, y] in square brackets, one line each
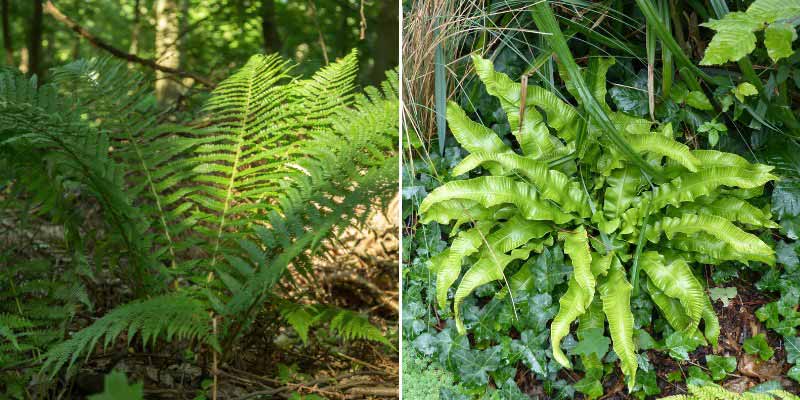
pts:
[204, 38]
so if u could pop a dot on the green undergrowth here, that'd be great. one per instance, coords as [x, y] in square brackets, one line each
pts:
[547, 256]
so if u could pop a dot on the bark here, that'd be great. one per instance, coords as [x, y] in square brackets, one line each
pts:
[167, 50]
[137, 23]
[385, 41]
[35, 45]
[7, 45]
[269, 27]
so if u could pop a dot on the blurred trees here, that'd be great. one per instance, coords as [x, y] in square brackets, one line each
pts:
[206, 37]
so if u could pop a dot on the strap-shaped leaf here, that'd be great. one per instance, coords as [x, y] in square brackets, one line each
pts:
[615, 293]
[741, 241]
[689, 187]
[664, 146]
[516, 232]
[490, 191]
[670, 307]
[676, 280]
[733, 209]
[487, 269]
[602, 263]
[560, 116]
[551, 184]
[576, 246]
[459, 210]
[711, 323]
[708, 249]
[471, 135]
[621, 188]
[571, 306]
[447, 264]
[714, 158]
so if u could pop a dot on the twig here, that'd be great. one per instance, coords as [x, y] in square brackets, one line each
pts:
[50, 8]
[375, 391]
[363, 363]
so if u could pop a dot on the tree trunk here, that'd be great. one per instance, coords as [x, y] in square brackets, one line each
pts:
[7, 45]
[269, 27]
[167, 53]
[137, 18]
[386, 40]
[35, 46]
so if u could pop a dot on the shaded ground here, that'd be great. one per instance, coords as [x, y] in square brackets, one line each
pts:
[357, 271]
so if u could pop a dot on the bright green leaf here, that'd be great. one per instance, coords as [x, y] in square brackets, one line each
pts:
[698, 100]
[720, 366]
[723, 294]
[778, 39]
[758, 345]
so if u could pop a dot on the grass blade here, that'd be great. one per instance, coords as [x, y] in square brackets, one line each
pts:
[440, 93]
[545, 20]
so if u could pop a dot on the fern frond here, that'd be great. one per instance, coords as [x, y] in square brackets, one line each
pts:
[354, 326]
[169, 317]
[154, 153]
[615, 294]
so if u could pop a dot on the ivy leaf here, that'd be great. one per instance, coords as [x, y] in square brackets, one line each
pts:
[713, 129]
[679, 344]
[647, 384]
[594, 342]
[792, 346]
[474, 365]
[743, 90]
[697, 377]
[675, 376]
[425, 344]
[720, 366]
[723, 294]
[778, 38]
[758, 345]
[631, 100]
[734, 38]
[786, 254]
[794, 373]
[590, 384]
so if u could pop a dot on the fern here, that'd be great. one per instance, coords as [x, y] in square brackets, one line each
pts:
[280, 165]
[153, 153]
[693, 210]
[716, 392]
[44, 127]
[349, 325]
[173, 317]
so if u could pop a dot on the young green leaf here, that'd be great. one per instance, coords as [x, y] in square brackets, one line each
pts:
[758, 345]
[720, 366]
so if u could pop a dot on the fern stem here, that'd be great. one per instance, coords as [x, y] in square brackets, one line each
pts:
[232, 180]
[156, 198]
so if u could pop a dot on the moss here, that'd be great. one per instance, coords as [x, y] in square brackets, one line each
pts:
[423, 378]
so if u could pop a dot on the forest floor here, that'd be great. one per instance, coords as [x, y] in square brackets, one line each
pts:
[357, 271]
